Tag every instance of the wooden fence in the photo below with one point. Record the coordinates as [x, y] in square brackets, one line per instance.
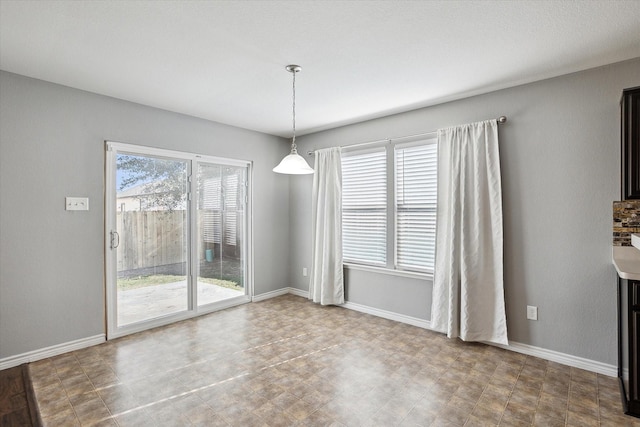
[151, 238]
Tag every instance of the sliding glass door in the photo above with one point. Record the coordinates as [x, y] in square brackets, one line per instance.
[221, 229]
[177, 231]
[152, 228]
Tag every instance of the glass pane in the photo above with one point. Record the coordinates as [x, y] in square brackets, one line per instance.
[221, 230]
[416, 198]
[364, 207]
[151, 203]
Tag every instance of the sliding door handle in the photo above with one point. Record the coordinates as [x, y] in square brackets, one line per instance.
[115, 239]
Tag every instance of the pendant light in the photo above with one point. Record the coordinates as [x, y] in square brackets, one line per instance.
[293, 164]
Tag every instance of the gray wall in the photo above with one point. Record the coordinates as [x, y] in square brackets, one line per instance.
[560, 167]
[52, 146]
[560, 155]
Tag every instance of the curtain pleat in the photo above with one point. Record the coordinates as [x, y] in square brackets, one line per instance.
[326, 284]
[468, 288]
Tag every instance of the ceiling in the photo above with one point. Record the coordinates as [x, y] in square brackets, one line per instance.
[225, 60]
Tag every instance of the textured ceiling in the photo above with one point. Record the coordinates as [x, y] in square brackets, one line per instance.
[224, 60]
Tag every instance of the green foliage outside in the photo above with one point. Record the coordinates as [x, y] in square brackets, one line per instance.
[165, 180]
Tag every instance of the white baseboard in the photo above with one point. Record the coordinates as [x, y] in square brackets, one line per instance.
[299, 292]
[271, 294]
[529, 350]
[563, 358]
[279, 292]
[421, 323]
[54, 350]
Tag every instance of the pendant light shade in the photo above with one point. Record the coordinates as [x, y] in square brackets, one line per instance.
[293, 164]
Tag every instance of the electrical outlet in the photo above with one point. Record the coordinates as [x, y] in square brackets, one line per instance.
[304, 271]
[532, 312]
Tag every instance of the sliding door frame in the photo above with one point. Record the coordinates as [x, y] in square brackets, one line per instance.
[110, 255]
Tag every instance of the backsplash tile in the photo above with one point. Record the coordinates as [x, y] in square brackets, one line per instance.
[626, 220]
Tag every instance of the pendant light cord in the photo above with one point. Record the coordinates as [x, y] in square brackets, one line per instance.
[293, 163]
[294, 148]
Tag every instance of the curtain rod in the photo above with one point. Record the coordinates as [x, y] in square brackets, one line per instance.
[501, 120]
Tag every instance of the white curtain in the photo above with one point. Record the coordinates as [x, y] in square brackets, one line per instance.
[468, 288]
[326, 285]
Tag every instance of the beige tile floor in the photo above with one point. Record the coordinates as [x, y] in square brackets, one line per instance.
[286, 361]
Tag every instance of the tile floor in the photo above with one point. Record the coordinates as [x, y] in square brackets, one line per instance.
[288, 362]
[17, 408]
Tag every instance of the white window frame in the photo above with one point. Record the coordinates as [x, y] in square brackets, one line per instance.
[111, 147]
[419, 143]
[372, 262]
[391, 236]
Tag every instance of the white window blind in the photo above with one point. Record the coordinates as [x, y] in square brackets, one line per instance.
[364, 207]
[231, 205]
[416, 198]
[222, 203]
[210, 204]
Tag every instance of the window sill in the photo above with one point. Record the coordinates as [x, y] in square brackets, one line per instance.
[389, 271]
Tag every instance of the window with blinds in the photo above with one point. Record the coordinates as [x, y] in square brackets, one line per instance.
[415, 205]
[389, 199]
[364, 207]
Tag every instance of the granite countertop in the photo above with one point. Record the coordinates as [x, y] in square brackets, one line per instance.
[626, 259]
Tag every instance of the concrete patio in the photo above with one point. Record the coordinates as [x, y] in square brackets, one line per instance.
[149, 302]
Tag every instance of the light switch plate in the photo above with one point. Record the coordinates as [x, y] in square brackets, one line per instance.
[76, 203]
[532, 312]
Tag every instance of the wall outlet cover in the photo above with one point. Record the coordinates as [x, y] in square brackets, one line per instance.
[76, 203]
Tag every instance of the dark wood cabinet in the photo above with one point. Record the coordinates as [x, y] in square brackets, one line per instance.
[629, 344]
[630, 136]
[629, 290]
